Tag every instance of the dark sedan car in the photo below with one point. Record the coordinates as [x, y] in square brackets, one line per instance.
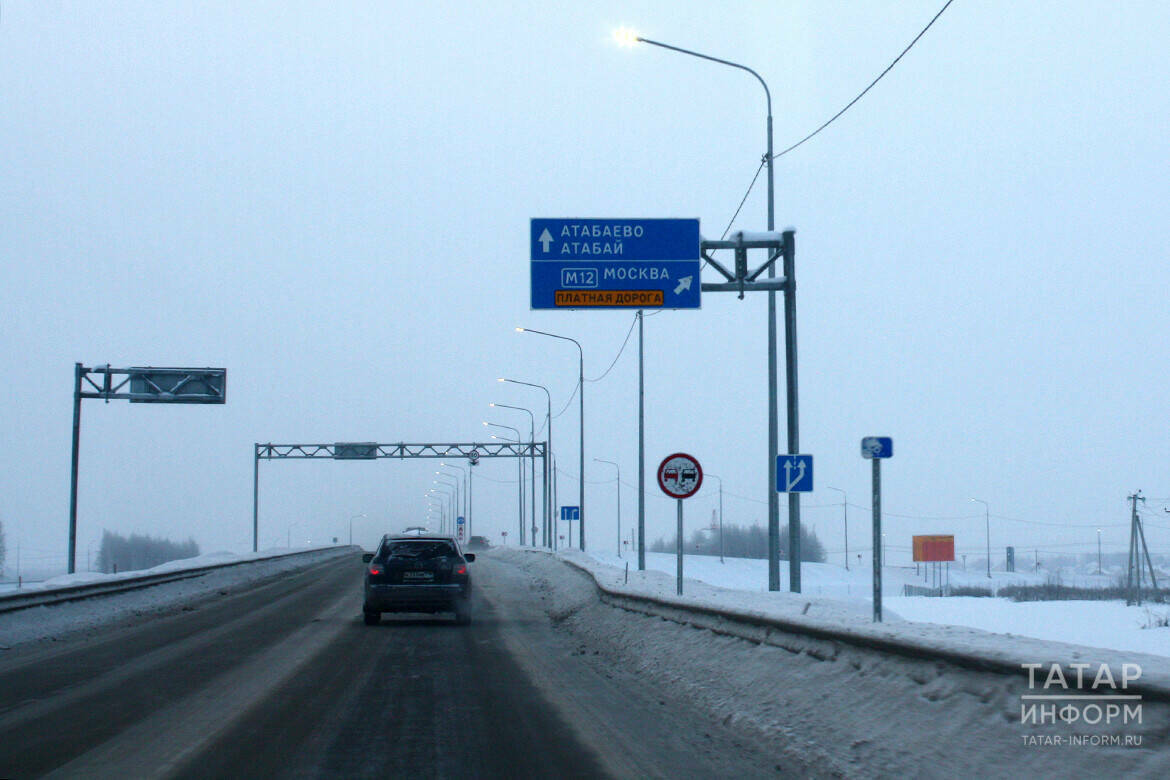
[417, 574]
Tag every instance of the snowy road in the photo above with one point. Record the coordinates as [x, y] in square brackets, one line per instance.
[281, 679]
[285, 680]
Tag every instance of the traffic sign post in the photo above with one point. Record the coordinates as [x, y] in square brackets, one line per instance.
[137, 385]
[877, 449]
[615, 263]
[794, 474]
[569, 514]
[680, 476]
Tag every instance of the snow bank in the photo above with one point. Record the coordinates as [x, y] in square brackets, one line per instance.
[59, 620]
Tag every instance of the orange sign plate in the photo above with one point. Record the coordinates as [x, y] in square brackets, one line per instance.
[639, 299]
[934, 548]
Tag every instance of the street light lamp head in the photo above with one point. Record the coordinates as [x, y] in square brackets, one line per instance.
[624, 36]
[519, 330]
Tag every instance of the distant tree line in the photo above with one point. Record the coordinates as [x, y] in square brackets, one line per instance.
[744, 542]
[119, 553]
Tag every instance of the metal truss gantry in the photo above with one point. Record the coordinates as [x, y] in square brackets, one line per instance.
[473, 452]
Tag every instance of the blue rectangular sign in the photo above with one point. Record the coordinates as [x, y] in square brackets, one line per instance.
[570, 513]
[615, 263]
[877, 447]
[794, 473]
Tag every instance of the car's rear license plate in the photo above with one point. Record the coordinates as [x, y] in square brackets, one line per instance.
[418, 576]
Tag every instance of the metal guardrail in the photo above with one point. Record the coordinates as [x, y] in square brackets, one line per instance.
[10, 602]
[793, 635]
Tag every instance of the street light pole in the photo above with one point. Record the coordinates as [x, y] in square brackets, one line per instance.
[1098, 551]
[455, 483]
[845, 514]
[448, 501]
[549, 531]
[519, 479]
[355, 517]
[531, 460]
[790, 355]
[581, 443]
[709, 474]
[466, 493]
[618, 479]
[987, 521]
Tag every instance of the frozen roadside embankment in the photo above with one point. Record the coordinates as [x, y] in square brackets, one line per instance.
[846, 704]
[232, 571]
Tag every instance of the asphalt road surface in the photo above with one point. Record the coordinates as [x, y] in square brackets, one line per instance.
[284, 680]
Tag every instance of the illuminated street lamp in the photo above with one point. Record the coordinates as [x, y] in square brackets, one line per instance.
[454, 483]
[531, 459]
[519, 473]
[549, 473]
[581, 423]
[466, 490]
[627, 37]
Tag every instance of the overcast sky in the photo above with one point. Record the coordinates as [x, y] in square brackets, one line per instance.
[332, 201]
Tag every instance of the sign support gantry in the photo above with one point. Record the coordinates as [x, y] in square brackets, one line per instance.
[472, 451]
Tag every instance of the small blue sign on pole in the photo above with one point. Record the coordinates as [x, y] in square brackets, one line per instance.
[459, 520]
[570, 513]
[615, 263]
[877, 447]
[794, 473]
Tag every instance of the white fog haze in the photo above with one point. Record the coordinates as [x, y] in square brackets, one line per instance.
[332, 201]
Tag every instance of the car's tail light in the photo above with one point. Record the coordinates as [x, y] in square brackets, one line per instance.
[375, 570]
[461, 568]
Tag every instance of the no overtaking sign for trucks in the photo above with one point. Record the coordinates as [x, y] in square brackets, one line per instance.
[680, 475]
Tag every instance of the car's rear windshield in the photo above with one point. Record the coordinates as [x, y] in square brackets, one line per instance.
[420, 550]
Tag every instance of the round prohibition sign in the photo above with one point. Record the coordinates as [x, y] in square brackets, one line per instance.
[680, 475]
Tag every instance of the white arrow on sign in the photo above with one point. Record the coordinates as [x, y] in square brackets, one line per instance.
[683, 284]
[545, 239]
[788, 467]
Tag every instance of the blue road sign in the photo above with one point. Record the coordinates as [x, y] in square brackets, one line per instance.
[459, 521]
[794, 473]
[877, 447]
[570, 513]
[615, 263]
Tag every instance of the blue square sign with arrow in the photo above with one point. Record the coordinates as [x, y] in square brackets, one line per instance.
[794, 473]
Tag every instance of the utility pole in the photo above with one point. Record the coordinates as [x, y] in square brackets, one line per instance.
[1137, 536]
[1098, 551]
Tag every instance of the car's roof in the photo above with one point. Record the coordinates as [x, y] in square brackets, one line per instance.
[413, 538]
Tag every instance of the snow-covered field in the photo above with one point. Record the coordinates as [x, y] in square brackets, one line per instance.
[1103, 624]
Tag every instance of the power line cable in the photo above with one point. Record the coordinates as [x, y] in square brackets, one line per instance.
[620, 351]
[727, 229]
[871, 84]
[836, 115]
